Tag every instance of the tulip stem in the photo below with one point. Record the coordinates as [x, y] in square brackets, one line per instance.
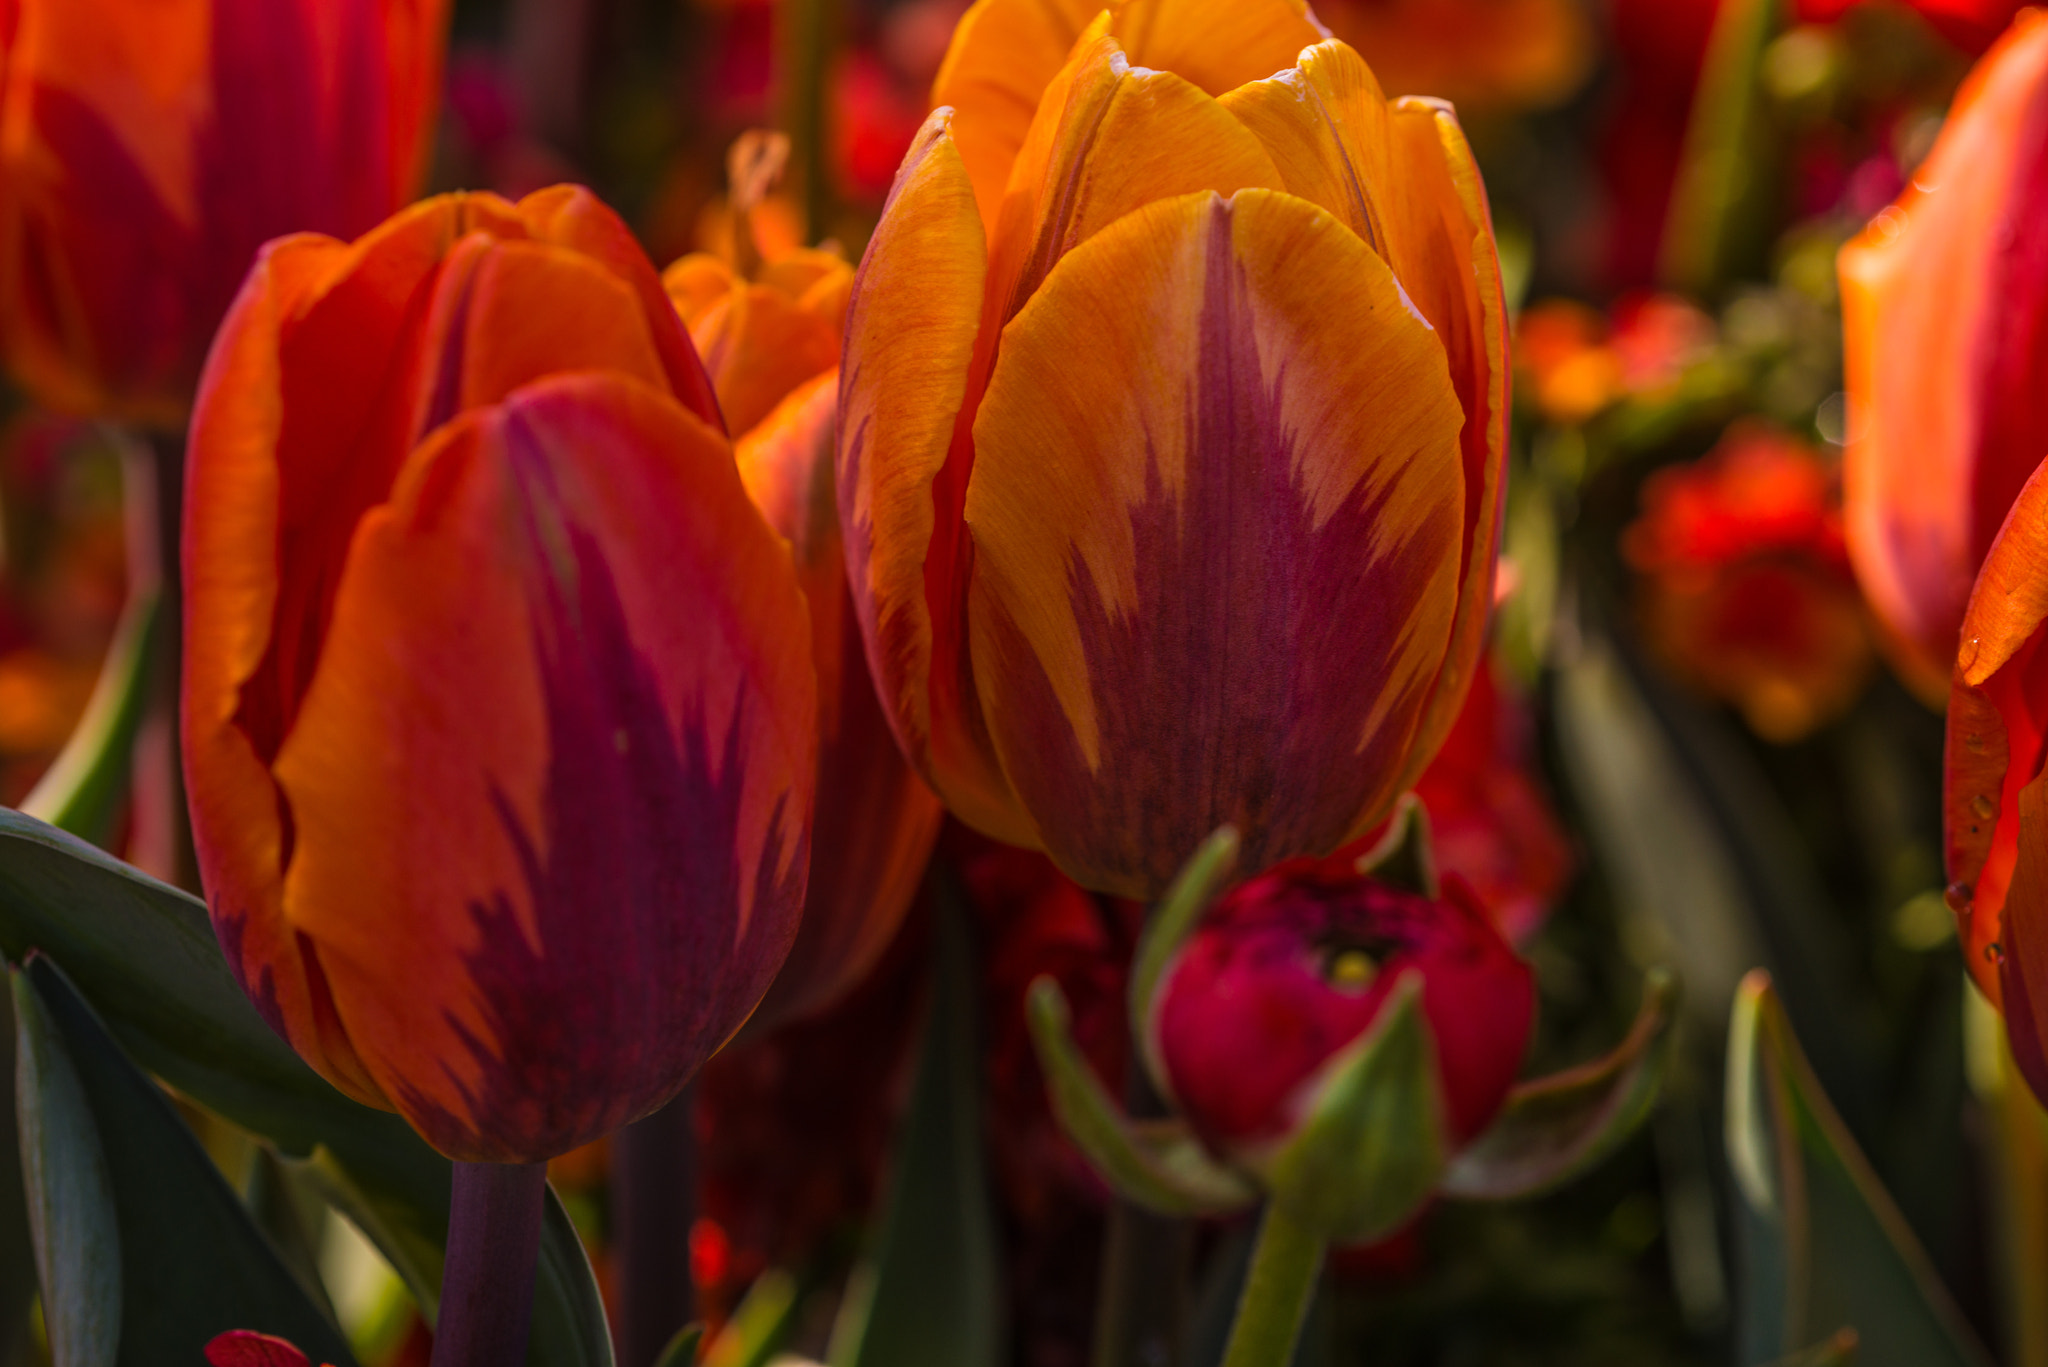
[494, 1221]
[1144, 1265]
[653, 1206]
[1286, 1262]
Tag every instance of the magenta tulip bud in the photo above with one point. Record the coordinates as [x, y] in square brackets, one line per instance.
[1294, 966]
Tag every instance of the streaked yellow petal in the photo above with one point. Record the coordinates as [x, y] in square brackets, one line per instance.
[1216, 510]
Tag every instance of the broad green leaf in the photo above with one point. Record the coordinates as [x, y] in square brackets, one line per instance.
[192, 1263]
[82, 789]
[70, 1194]
[1554, 1128]
[1823, 1246]
[143, 953]
[929, 1296]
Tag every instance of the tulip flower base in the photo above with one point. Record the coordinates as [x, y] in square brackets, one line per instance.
[494, 1222]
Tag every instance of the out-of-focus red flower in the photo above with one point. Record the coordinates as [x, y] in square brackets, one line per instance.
[1658, 46]
[499, 708]
[149, 147]
[1295, 964]
[246, 1348]
[1745, 589]
[1945, 342]
[1491, 823]
[1483, 53]
[877, 114]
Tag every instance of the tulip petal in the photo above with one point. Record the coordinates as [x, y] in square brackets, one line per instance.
[1215, 511]
[636, 709]
[1998, 723]
[1217, 44]
[758, 344]
[910, 333]
[1945, 336]
[2022, 961]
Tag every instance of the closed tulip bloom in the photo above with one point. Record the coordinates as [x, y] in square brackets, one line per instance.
[149, 147]
[771, 346]
[1945, 322]
[1171, 425]
[1295, 965]
[499, 708]
[1995, 807]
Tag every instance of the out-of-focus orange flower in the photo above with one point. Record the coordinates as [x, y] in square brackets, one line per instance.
[1493, 53]
[1945, 322]
[149, 147]
[1172, 423]
[499, 709]
[768, 328]
[1996, 803]
[1576, 360]
[1746, 591]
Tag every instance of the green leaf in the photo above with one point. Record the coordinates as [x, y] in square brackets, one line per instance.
[760, 1324]
[143, 953]
[82, 788]
[70, 1194]
[1371, 1151]
[682, 1349]
[192, 1263]
[1194, 888]
[1715, 219]
[1157, 1164]
[1555, 1128]
[1823, 1246]
[930, 1294]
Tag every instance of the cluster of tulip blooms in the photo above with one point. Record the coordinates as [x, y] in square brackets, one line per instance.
[578, 659]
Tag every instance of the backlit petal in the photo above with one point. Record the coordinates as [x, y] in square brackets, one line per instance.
[568, 698]
[1215, 510]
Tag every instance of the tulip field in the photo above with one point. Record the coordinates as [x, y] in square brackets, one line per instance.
[1024, 683]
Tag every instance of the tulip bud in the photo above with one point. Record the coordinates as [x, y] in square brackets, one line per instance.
[499, 708]
[1171, 427]
[148, 150]
[1945, 336]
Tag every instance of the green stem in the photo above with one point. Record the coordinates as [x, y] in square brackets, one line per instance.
[1285, 1264]
[808, 38]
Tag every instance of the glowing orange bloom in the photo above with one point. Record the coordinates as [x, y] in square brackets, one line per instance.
[1996, 809]
[1172, 420]
[1945, 321]
[1745, 590]
[499, 708]
[769, 334]
[149, 147]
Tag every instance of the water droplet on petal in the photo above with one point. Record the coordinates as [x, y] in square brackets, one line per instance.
[1961, 898]
[1995, 952]
[1983, 807]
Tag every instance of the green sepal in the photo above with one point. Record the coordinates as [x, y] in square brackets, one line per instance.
[1157, 1164]
[1186, 902]
[82, 788]
[1372, 1149]
[1403, 857]
[682, 1349]
[1554, 1128]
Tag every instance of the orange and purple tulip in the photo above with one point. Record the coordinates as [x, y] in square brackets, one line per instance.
[769, 334]
[1171, 427]
[1995, 808]
[499, 713]
[1945, 322]
[1293, 966]
[1745, 591]
[147, 149]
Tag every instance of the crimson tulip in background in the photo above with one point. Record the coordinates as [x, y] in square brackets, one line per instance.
[1171, 427]
[499, 704]
[149, 147]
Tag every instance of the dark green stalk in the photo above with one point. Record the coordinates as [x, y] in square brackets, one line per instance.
[1286, 1262]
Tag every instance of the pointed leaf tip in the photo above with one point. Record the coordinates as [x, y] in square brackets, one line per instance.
[1193, 892]
[1403, 856]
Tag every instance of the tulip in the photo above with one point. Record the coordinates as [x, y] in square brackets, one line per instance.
[1745, 589]
[1945, 322]
[147, 149]
[1171, 426]
[499, 710]
[1294, 966]
[769, 331]
[1996, 827]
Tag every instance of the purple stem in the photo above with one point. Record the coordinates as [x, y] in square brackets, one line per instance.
[653, 1205]
[493, 1248]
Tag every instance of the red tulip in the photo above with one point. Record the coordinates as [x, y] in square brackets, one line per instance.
[499, 706]
[1296, 964]
[1945, 322]
[149, 147]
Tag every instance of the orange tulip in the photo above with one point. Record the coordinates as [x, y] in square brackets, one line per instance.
[769, 334]
[1172, 419]
[499, 704]
[1996, 808]
[1945, 320]
[149, 147]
